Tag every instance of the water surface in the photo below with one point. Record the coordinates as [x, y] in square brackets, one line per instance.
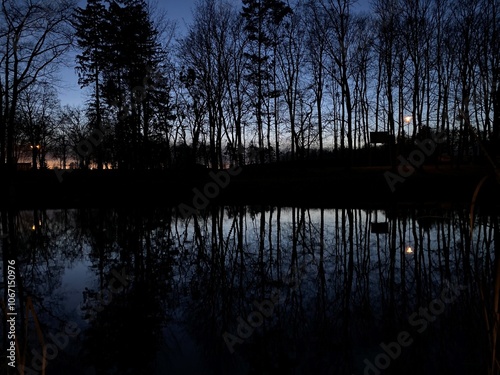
[252, 290]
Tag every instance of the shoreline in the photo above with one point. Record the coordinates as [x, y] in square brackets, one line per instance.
[272, 184]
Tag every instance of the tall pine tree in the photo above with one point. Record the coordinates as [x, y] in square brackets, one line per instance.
[119, 53]
[91, 37]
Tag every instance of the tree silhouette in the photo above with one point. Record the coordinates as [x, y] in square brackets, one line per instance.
[90, 32]
[34, 40]
[261, 18]
[120, 53]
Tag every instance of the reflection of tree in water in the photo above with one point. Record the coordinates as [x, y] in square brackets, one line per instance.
[357, 288]
[38, 240]
[125, 334]
[35, 250]
[124, 337]
[193, 277]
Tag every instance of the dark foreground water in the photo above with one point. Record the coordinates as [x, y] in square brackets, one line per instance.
[249, 290]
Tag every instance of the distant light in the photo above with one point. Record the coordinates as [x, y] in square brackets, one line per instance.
[408, 119]
[409, 250]
[33, 227]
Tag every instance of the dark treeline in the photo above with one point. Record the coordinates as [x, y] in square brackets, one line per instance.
[252, 82]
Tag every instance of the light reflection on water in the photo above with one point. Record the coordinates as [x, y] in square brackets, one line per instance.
[173, 287]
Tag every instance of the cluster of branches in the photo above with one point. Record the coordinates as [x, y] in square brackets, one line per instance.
[35, 36]
[261, 81]
[309, 77]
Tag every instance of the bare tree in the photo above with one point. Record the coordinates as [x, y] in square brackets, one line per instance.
[340, 50]
[38, 114]
[387, 44]
[34, 38]
[316, 47]
[213, 61]
[75, 128]
[291, 57]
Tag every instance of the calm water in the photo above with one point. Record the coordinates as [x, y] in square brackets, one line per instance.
[251, 290]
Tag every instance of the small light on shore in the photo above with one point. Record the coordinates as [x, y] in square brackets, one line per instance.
[33, 227]
[409, 250]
